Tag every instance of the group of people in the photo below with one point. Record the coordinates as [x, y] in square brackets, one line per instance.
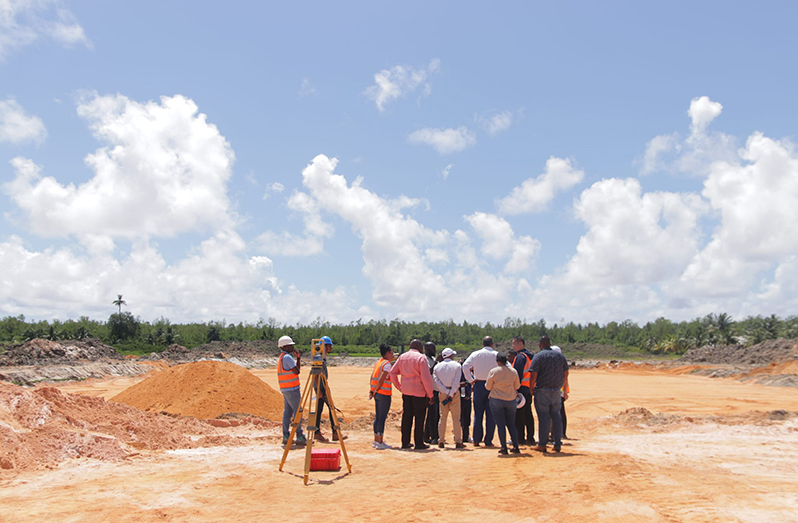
[501, 387]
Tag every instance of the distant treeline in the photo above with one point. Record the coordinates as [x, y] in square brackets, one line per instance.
[660, 336]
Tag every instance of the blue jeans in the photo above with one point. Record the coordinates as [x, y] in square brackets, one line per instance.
[291, 399]
[480, 395]
[504, 414]
[382, 405]
[547, 404]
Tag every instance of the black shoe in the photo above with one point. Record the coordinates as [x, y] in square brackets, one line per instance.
[557, 449]
[441, 446]
[503, 451]
[532, 443]
[489, 445]
[407, 447]
[516, 450]
[423, 446]
[459, 446]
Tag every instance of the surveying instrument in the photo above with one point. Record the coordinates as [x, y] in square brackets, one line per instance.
[317, 382]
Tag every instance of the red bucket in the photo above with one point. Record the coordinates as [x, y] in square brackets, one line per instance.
[325, 459]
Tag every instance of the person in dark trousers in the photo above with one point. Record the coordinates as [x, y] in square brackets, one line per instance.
[416, 388]
[503, 384]
[549, 378]
[476, 368]
[465, 407]
[380, 391]
[565, 393]
[434, 409]
[524, 420]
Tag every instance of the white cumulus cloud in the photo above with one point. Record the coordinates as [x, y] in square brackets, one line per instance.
[445, 141]
[496, 122]
[499, 242]
[702, 111]
[315, 231]
[755, 197]
[534, 194]
[163, 171]
[22, 22]
[16, 126]
[399, 81]
[694, 154]
[414, 269]
[634, 237]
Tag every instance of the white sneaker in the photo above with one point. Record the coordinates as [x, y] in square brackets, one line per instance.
[382, 446]
[374, 444]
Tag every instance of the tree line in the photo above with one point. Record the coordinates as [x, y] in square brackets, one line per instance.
[656, 337]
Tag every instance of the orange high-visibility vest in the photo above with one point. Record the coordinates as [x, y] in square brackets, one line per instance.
[526, 380]
[287, 378]
[385, 389]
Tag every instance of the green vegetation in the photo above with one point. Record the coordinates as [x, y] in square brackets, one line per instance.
[131, 335]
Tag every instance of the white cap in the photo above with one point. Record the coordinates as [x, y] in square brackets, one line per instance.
[448, 353]
[556, 348]
[284, 340]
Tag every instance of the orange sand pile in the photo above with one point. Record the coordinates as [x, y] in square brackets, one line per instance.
[41, 427]
[205, 389]
[786, 367]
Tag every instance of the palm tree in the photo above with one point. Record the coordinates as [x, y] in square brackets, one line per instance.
[725, 324]
[119, 302]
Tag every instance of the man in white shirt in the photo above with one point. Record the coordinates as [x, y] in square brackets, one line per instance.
[476, 369]
[446, 379]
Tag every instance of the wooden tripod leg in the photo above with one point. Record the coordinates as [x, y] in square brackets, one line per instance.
[296, 422]
[337, 426]
[312, 422]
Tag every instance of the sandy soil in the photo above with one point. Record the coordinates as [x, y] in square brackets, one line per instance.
[715, 454]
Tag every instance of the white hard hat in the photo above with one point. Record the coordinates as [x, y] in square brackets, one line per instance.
[284, 340]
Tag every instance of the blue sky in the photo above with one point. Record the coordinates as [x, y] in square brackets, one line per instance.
[415, 160]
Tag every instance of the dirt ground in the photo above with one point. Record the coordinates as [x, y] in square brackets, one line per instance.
[693, 449]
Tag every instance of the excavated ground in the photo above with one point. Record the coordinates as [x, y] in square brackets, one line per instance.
[650, 444]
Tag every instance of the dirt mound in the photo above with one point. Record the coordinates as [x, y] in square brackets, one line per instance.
[220, 349]
[42, 427]
[787, 367]
[643, 416]
[205, 389]
[628, 365]
[778, 351]
[46, 352]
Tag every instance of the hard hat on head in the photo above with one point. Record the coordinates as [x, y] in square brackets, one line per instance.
[327, 340]
[284, 341]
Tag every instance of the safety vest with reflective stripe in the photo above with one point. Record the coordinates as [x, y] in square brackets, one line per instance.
[288, 378]
[385, 389]
[526, 379]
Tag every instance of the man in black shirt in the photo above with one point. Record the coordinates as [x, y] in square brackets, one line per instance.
[549, 376]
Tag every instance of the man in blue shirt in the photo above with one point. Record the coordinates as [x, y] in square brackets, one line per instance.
[549, 376]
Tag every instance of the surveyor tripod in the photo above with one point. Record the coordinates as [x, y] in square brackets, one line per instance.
[316, 385]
